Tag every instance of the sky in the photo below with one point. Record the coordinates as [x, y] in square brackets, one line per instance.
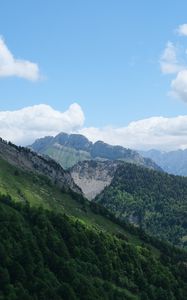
[112, 70]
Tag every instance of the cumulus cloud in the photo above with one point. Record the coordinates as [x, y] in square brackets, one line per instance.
[168, 62]
[10, 66]
[179, 85]
[182, 29]
[25, 125]
[155, 132]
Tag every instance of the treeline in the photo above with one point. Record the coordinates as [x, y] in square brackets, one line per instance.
[47, 255]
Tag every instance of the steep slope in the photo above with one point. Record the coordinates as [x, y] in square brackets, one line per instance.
[173, 162]
[57, 257]
[155, 201]
[28, 160]
[38, 190]
[70, 149]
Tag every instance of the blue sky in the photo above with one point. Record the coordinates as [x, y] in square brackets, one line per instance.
[102, 54]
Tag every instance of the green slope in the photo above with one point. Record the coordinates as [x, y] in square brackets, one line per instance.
[45, 254]
[155, 201]
[66, 156]
[38, 191]
[49, 256]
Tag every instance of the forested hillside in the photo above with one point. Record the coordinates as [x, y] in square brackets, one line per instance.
[155, 201]
[55, 244]
[46, 255]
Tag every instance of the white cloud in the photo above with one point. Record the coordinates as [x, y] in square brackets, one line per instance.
[168, 62]
[155, 132]
[25, 125]
[179, 85]
[182, 29]
[9, 66]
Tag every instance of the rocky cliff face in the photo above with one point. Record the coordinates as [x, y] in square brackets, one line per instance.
[28, 160]
[93, 176]
[70, 149]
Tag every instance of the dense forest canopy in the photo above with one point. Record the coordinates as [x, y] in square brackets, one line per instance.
[155, 201]
[47, 255]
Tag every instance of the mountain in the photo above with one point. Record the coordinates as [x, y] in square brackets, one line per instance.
[173, 162]
[54, 244]
[47, 255]
[70, 149]
[157, 202]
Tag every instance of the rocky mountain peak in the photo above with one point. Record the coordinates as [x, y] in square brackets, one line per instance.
[69, 149]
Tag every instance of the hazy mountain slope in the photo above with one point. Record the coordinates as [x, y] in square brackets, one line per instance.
[153, 200]
[70, 149]
[66, 156]
[173, 162]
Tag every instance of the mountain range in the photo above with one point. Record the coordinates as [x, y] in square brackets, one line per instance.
[70, 149]
[173, 162]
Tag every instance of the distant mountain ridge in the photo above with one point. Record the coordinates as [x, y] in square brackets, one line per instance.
[69, 149]
[173, 162]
